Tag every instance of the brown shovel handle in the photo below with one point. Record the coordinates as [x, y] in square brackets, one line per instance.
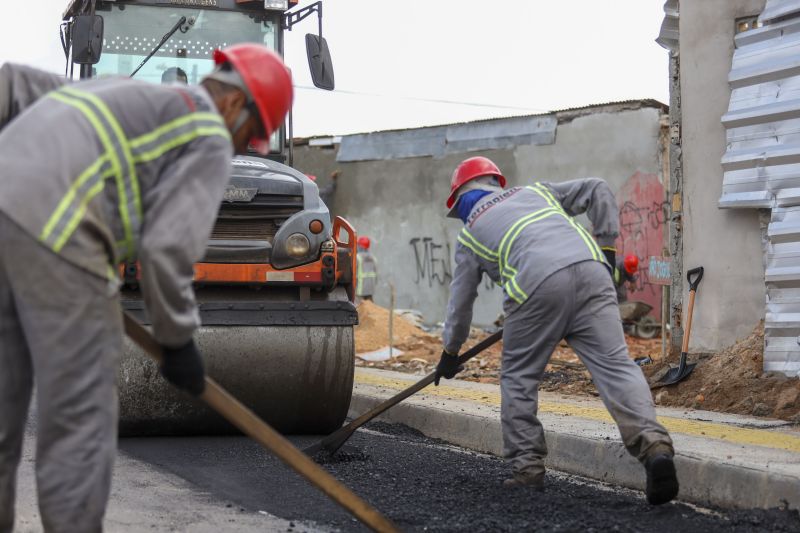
[335, 440]
[697, 274]
[243, 418]
[418, 386]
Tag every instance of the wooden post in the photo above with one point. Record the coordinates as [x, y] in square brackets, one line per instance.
[391, 320]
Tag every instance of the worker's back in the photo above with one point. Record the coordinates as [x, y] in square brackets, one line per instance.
[521, 236]
[85, 164]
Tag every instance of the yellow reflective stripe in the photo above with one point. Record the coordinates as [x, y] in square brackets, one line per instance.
[594, 247]
[504, 240]
[110, 152]
[488, 251]
[78, 215]
[157, 152]
[512, 287]
[516, 229]
[588, 239]
[65, 202]
[126, 149]
[175, 124]
[475, 250]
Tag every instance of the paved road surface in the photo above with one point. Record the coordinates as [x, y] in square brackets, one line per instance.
[423, 485]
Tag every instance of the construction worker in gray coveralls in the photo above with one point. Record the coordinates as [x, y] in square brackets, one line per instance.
[367, 270]
[557, 285]
[96, 173]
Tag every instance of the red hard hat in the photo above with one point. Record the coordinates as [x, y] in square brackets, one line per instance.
[363, 242]
[631, 263]
[468, 170]
[267, 79]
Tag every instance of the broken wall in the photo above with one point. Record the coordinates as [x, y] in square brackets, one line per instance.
[399, 201]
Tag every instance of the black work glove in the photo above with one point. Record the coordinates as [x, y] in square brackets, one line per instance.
[611, 257]
[448, 367]
[183, 367]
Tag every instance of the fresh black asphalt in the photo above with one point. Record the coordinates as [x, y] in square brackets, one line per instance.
[425, 485]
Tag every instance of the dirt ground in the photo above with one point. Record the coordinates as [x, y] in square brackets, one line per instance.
[733, 381]
[729, 381]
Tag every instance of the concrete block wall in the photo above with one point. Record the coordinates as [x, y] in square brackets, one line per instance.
[399, 203]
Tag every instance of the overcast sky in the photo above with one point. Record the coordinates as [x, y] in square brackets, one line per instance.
[408, 63]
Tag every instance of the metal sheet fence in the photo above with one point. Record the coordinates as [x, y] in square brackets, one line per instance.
[761, 165]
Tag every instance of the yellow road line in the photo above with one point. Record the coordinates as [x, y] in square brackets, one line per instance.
[712, 430]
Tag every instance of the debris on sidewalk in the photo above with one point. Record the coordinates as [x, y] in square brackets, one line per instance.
[732, 381]
[372, 331]
[417, 352]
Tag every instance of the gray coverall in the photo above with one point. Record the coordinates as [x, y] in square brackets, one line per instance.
[367, 268]
[20, 86]
[94, 173]
[557, 286]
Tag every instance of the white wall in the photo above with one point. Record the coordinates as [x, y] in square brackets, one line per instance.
[727, 243]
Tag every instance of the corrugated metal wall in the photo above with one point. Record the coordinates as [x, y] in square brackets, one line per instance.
[668, 36]
[762, 164]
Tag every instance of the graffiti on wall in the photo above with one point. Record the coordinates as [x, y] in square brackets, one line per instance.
[643, 215]
[432, 261]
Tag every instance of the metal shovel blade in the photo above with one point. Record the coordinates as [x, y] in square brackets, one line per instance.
[678, 374]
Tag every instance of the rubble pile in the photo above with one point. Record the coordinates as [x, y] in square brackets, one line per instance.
[730, 381]
[421, 351]
[372, 331]
[733, 381]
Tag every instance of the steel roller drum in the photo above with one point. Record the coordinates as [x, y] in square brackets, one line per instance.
[298, 379]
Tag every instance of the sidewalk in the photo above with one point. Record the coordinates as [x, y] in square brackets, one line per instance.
[725, 460]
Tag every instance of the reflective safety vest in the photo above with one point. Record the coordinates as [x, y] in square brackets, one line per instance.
[522, 235]
[85, 163]
[367, 276]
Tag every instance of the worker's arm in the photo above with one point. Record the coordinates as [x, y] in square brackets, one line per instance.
[463, 291]
[179, 212]
[594, 197]
[21, 86]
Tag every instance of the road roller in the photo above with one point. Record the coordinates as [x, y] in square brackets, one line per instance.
[275, 289]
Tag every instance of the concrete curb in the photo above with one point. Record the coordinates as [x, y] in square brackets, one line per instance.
[703, 480]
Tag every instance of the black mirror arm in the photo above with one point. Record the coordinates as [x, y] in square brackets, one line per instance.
[293, 17]
[319, 20]
[163, 40]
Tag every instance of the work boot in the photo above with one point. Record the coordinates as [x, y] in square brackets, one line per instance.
[662, 482]
[526, 478]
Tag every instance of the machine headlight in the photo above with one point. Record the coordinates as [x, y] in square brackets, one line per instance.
[297, 245]
[283, 5]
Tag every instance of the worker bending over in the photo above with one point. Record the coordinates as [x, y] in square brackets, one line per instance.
[557, 285]
[367, 267]
[96, 173]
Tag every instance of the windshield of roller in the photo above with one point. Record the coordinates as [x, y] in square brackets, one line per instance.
[132, 32]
